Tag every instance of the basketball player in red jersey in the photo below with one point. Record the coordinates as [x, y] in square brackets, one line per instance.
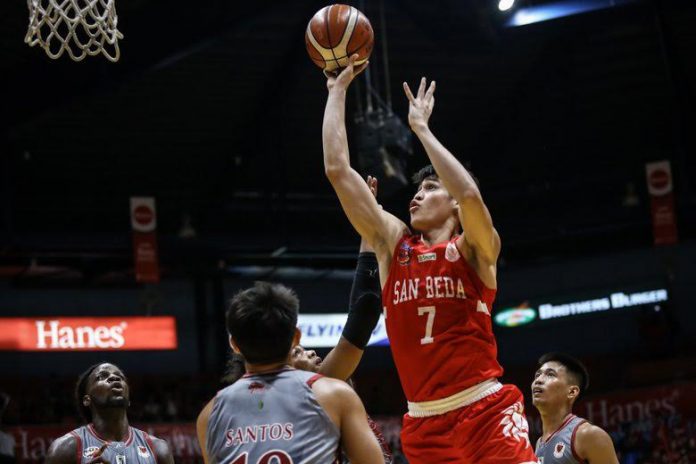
[438, 286]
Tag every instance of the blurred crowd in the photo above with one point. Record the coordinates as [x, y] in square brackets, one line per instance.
[665, 439]
[661, 440]
[153, 399]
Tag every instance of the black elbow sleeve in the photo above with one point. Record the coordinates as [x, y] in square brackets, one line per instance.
[365, 302]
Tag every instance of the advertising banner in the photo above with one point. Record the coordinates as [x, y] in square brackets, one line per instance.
[660, 187]
[144, 225]
[324, 330]
[88, 333]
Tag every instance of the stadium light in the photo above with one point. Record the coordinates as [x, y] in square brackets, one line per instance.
[505, 5]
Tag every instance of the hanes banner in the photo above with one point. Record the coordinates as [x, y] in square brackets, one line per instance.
[88, 333]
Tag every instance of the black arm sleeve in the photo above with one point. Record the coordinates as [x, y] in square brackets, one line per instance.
[365, 301]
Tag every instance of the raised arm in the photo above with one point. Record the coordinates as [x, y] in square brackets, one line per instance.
[475, 219]
[379, 228]
[364, 309]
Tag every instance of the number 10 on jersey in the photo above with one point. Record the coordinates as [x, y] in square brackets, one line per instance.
[271, 457]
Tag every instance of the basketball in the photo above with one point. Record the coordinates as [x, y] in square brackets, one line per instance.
[335, 33]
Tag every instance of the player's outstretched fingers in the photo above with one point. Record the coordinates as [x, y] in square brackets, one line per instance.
[98, 458]
[431, 91]
[407, 91]
[421, 88]
[360, 68]
[373, 186]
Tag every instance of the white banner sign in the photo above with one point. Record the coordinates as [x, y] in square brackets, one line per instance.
[324, 330]
[616, 300]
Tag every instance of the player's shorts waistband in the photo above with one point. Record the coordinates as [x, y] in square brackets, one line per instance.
[456, 401]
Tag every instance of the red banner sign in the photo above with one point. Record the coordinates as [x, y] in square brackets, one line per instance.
[659, 177]
[610, 410]
[144, 225]
[88, 333]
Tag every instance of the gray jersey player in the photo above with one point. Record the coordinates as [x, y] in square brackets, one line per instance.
[566, 438]
[276, 414]
[103, 396]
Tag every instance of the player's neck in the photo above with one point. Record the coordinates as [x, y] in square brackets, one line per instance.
[264, 368]
[552, 420]
[438, 235]
[111, 424]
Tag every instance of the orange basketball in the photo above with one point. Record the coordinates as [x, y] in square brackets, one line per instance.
[335, 33]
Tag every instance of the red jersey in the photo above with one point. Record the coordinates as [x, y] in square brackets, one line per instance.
[438, 318]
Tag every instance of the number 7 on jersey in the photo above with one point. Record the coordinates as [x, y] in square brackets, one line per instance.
[430, 311]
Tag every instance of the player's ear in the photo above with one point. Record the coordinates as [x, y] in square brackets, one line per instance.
[86, 400]
[233, 345]
[573, 392]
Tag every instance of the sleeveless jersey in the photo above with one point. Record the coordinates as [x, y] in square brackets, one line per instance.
[559, 448]
[137, 448]
[438, 318]
[271, 418]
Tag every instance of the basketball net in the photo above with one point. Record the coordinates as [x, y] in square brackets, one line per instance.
[80, 27]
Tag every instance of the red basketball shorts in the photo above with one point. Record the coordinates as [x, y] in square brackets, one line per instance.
[492, 430]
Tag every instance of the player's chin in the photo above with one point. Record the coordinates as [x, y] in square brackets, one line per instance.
[417, 223]
[119, 401]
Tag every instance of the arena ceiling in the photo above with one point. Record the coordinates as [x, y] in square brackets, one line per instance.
[215, 109]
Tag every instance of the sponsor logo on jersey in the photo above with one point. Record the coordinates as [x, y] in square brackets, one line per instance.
[558, 450]
[427, 257]
[120, 459]
[89, 452]
[256, 387]
[143, 452]
[405, 252]
[451, 252]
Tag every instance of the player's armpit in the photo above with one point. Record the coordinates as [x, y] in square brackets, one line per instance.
[594, 445]
[63, 450]
[202, 429]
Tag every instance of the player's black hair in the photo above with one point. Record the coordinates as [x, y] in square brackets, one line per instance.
[262, 321]
[428, 172]
[81, 390]
[577, 372]
[234, 369]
